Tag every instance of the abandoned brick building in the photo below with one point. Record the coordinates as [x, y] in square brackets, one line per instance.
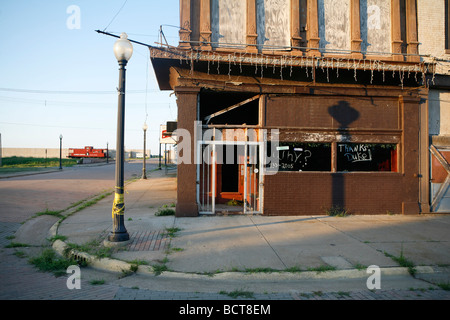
[335, 91]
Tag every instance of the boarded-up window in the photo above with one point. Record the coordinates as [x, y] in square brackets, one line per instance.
[375, 26]
[334, 24]
[273, 24]
[228, 23]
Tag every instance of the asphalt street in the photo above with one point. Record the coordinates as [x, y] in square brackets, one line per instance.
[22, 197]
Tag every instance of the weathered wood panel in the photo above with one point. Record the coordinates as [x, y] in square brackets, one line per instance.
[273, 24]
[334, 24]
[375, 26]
[228, 23]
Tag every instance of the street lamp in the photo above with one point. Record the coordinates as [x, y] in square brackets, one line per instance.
[123, 50]
[144, 127]
[60, 151]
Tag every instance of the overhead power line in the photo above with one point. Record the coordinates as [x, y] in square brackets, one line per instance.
[70, 92]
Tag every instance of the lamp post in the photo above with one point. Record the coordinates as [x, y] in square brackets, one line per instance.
[123, 50]
[60, 151]
[144, 127]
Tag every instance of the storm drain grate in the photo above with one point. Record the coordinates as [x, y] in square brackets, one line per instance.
[149, 240]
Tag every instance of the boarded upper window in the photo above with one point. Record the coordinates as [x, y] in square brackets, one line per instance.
[334, 24]
[228, 23]
[375, 26]
[273, 24]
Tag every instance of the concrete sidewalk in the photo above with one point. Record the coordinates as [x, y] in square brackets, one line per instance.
[258, 252]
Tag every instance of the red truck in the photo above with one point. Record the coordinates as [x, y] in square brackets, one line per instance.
[87, 152]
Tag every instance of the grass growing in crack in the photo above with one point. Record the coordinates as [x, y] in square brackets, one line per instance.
[56, 213]
[260, 270]
[17, 245]
[57, 237]
[138, 262]
[343, 294]
[337, 211]
[159, 268]
[171, 249]
[444, 286]
[403, 262]
[93, 248]
[20, 254]
[89, 203]
[238, 293]
[171, 232]
[359, 266]
[97, 282]
[165, 212]
[50, 261]
[294, 269]
[323, 268]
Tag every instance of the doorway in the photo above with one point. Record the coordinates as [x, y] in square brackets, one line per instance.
[228, 177]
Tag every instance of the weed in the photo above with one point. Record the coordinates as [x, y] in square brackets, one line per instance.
[323, 268]
[238, 293]
[171, 231]
[444, 286]
[20, 254]
[234, 203]
[343, 294]
[403, 262]
[294, 269]
[159, 268]
[260, 270]
[92, 248]
[138, 262]
[134, 267]
[359, 266]
[16, 245]
[49, 261]
[93, 201]
[126, 273]
[97, 282]
[165, 212]
[57, 237]
[337, 211]
[56, 213]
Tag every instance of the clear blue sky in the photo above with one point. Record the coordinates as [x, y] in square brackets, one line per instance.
[58, 79]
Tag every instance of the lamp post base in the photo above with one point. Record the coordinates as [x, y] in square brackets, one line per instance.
[118, 236]
[119, 233]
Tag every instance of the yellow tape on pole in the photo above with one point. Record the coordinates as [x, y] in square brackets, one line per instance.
[118, 205]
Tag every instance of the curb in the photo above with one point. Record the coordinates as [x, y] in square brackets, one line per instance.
[114, 265]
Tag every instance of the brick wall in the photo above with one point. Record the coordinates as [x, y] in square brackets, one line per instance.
[305, 193]
[373, 120]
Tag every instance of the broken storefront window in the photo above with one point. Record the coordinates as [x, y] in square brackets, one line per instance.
[366, 157]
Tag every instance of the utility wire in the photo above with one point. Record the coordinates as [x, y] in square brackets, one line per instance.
[69, 92]
[116, 15]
